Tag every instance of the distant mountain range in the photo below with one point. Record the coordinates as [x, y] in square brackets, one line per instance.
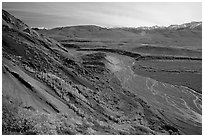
[186, 35]
[191, 25]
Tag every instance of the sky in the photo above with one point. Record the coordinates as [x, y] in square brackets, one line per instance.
[110, 14]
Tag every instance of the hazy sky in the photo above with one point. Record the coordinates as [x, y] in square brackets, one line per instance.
[136, 14]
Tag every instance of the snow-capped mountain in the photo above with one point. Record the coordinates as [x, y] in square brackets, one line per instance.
[191, 25]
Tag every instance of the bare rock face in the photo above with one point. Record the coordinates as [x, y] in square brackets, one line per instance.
[48, 88]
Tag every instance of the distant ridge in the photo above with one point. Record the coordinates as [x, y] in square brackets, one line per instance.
[191, 25]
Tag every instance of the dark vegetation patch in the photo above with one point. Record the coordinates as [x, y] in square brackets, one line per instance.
[156, 50]
[75, 40]
[122, 52]
[95, 56]
[93, 63]
[69, 45]
[141, 57]
[167, 58]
